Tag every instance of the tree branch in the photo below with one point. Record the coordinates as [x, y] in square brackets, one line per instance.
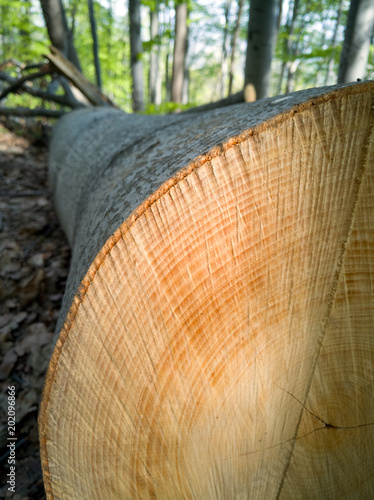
[18, 83]
[49, 113]
[66, 100]
[227, 101]
[67, 69]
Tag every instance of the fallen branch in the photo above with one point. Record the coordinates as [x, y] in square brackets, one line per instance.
[246, 95]
[18, 83]
[67, 69]
[21, 111]
[57, 64]
[63, 100]
[10, 63]
[227, 101]
[12, 194]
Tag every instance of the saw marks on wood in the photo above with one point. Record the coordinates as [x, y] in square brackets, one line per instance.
[338, 427]
[224, 347]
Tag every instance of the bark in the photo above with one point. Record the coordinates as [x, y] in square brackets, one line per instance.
[358, 33]
[58, 31]
[218, 302]
[154, 63]
[234, 41]
[180, 52]
[262, 33]
[186, 86]
[95, 43]
[136, 56]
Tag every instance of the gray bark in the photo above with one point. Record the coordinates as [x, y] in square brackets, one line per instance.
[186, 86]
[104, 163]
[180, 52]
[58, 31]
[136, 52]
[356, 44]
[262, 33]
[95, 43]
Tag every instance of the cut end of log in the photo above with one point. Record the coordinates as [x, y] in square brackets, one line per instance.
[249, 93]
[220, 344]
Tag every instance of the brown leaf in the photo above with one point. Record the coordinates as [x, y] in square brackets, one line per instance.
[31, 287]
[8, 363]
[36, 260]
[14, 321]
[26, 403]
[5, 319]
[37, 337]
[39, 360]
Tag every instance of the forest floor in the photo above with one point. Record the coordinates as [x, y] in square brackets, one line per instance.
[34, 261]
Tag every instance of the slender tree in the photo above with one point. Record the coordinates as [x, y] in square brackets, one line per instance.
[234, 41]
[289, 48]
[356, 44]
[166, 34]
[180, 51]
[154, 60]
[262, 33]
[330, 65]
[95, 43]
[58, 31]
[225, 53]
[292, 49]
[136, 53]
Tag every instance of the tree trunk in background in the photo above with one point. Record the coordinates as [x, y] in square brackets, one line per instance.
[154, 63]
[136, 52]
[224, 54]
[262, 33]
[95, 43]
[330, 64]
[58, 31]
[289, 66]
[234, 41]
[292, 65]
[280, 12]
[186, 86]
[358, 33]
[216, 335]
[180, 52]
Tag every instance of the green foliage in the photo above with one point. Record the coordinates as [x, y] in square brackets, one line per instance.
[148, 45]
[166, 107]
[114, 49]
[310, 45]
[306, 47]
[23, 36]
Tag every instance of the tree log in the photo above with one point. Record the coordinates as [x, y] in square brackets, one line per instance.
[216, 335]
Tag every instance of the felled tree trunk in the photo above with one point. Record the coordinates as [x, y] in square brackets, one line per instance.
[216, 335]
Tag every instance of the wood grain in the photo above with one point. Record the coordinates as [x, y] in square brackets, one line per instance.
[220, 344]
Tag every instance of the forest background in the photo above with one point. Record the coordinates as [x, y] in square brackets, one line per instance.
[130, 49]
